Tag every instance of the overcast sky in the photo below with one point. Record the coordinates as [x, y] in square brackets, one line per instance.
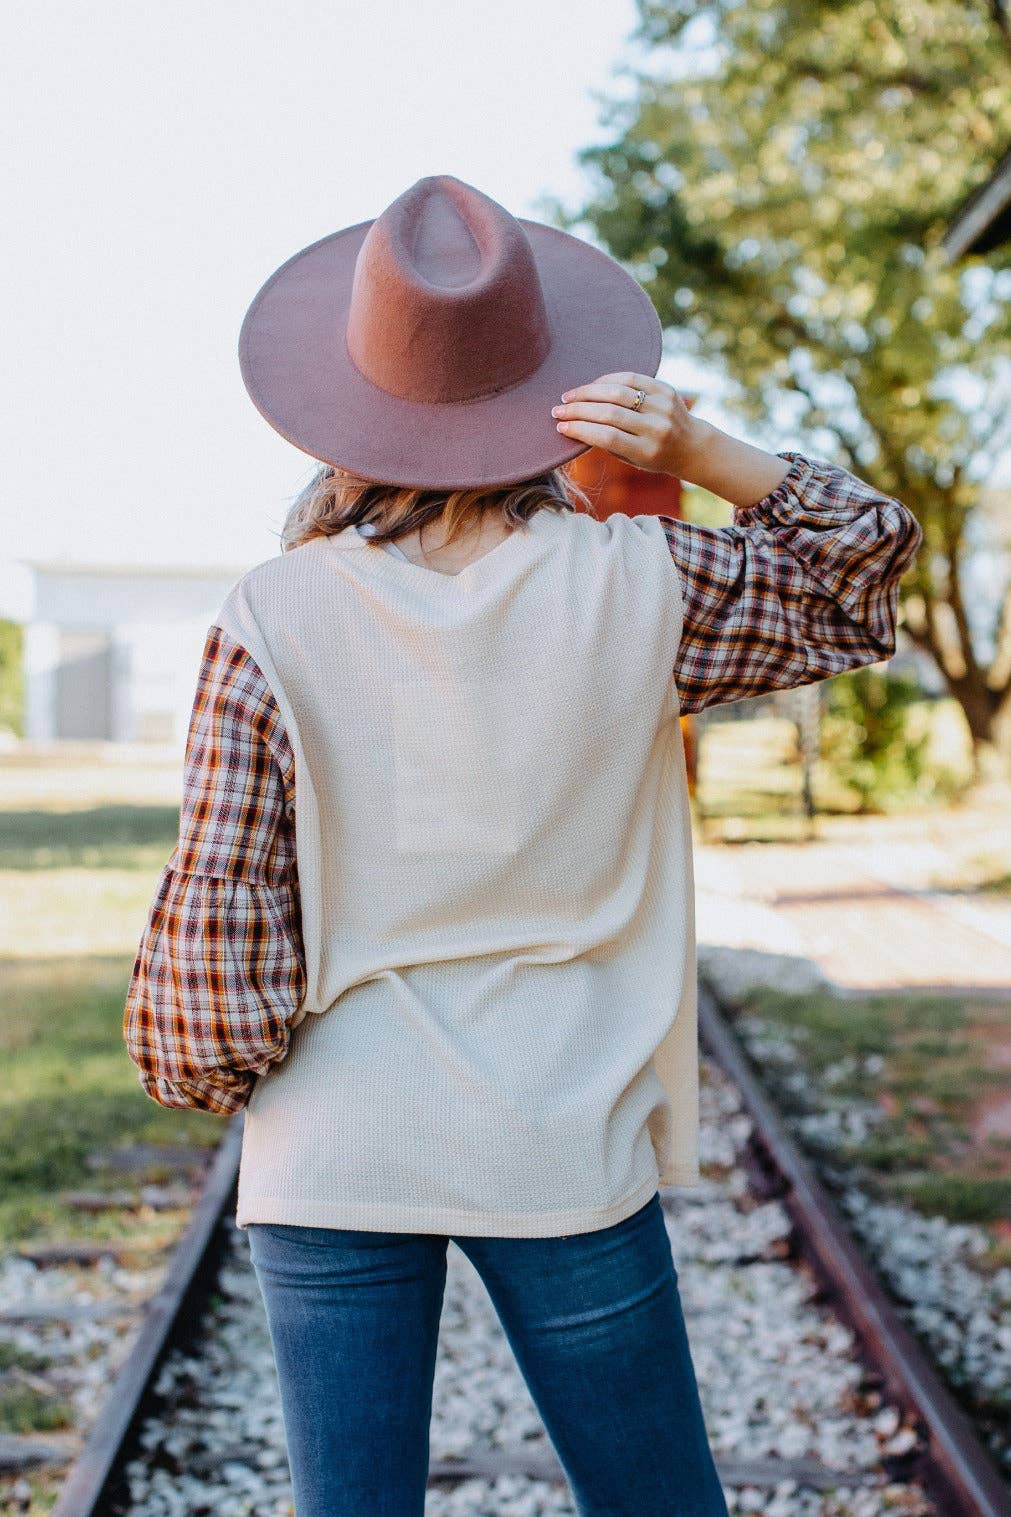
[161, 161]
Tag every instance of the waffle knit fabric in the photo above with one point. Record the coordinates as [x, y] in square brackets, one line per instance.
[498, 1032]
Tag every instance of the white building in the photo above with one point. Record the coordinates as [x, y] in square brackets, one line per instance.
[112, 651]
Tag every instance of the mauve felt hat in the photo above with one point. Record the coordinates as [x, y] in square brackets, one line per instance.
[427, 346]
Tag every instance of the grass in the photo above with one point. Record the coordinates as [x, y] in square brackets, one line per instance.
[24, 1410]
[751, 778]
[960, 1198]
[70, 1087]
[75, 886]
[911, 1056]
[880, 1091]
[98, 837]
[22, 1358]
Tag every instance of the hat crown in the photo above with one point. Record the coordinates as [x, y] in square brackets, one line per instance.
[446, 300]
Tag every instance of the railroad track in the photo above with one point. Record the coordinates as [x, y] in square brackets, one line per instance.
[937, 1454]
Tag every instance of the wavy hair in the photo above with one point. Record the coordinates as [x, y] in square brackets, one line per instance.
[336, 498]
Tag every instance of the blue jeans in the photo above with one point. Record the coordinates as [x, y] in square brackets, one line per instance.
[595, 1324]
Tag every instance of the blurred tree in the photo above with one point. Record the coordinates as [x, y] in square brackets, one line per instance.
[12, 699]
[780, 182]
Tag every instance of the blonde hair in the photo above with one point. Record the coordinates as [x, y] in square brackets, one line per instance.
[335, 498]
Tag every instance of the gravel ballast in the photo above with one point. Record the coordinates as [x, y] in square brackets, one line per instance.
[779, 1375]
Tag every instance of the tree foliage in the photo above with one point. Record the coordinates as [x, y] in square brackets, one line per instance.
[780, 181]
[12, 695]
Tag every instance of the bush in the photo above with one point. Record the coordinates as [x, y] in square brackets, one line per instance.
[875, 737]
[12, 694]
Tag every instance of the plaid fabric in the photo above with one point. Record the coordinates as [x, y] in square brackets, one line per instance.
[219, 974]
[803, 585]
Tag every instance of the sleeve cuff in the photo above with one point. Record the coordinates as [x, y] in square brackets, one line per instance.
[198, 1094]
[809, 482]
[784, 492]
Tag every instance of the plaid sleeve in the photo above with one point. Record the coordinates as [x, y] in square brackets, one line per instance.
[219, 974]
[803, 585]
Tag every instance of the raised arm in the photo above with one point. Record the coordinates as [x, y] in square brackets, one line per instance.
[804, 584]
[219, 975]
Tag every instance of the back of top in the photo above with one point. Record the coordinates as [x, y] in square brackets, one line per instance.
[494, 856]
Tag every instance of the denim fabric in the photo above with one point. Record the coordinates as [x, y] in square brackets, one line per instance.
[594, 1321]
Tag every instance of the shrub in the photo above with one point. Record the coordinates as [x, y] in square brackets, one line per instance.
[875, 737]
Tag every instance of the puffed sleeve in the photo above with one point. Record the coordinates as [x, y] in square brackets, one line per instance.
[219, 976]
[803, 585]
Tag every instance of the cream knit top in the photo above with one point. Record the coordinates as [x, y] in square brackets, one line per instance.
[480, 1015]
[498, 1034]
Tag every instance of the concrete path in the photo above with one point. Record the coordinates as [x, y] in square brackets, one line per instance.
[873, 903]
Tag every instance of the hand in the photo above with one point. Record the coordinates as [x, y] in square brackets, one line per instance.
[661, 436]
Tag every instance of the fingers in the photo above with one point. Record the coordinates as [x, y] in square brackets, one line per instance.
[617, 388]
[621, 416]
[602, 414]
[598, 436]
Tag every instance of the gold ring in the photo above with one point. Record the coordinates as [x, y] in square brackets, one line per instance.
[640, 397]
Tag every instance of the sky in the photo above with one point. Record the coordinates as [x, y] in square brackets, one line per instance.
[163, 160]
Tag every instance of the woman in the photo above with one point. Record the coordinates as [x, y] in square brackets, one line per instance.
[430, 918]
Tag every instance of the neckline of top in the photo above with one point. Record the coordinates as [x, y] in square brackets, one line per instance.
[520, 540]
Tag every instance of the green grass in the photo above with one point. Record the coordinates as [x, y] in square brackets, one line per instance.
[960, 1198]
[69, 1088]
[100, 837]
[909, 1053]
[11, 1355]
[73, 891]
[23, 1410]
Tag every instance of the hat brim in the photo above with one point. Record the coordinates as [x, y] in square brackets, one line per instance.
[301, 378]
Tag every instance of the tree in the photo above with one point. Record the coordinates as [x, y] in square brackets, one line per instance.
[781, 190]
[12, 696]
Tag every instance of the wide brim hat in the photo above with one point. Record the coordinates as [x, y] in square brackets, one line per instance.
[427, 346]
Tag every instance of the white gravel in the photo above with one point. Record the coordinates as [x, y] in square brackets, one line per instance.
[929, 1263]
[959, 1311]
[777, 1373]
[82, 1354]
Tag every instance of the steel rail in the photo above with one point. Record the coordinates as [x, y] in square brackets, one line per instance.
[169, 1315]
[959, 1473]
